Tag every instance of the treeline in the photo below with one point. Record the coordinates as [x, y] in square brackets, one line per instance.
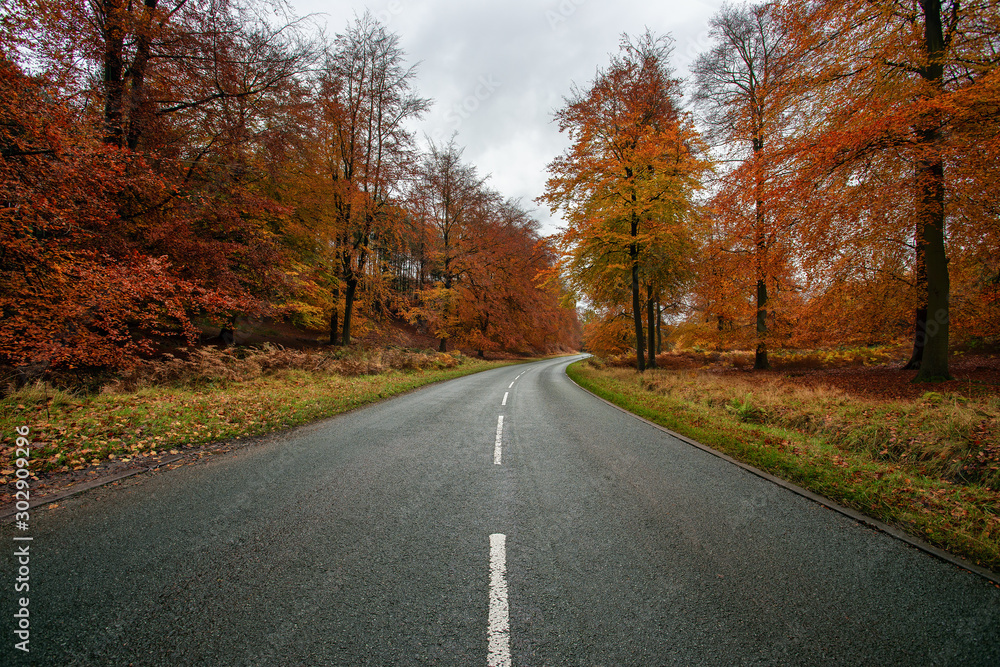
[833, 182]
[172, 164]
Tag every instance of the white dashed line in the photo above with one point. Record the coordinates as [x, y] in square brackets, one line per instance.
[512, 383]
[498, 632]
[504, 402]
[496, 446]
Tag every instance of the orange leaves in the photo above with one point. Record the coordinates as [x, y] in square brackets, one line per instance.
[859, 135]
[492, 279]
[626, 186]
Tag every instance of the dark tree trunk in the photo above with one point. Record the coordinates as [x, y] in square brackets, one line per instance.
[920, 317]
[640, 345]
[934, 357]
[760, 361]
[931, 216]
[227, 334]
[443, 345]
[633, 254]
[114, 70]
[659, 327]
[760, 357]
[352, 274]
[137, 75]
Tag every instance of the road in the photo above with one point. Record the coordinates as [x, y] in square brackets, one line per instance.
[392, 536]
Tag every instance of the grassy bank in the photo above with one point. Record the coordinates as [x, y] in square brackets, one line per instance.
[930, 466]
[207, 397]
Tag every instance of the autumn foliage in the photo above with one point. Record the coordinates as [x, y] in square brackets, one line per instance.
[626, 187]
[852, 195]
[168, 167]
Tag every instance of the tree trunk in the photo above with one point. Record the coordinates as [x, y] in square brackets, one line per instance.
[443, 345]
[760, 361]
[640, 361]
[137, 74]
[352, 274]
[760, 357]
[931, 217]
[934, 361]
[114, 70]
[650, 326]
[227, 334]
[659, 327]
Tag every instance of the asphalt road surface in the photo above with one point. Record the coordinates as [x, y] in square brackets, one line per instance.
[408, 532]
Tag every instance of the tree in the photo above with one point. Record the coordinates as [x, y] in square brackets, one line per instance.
[450, 199]
[632, 165]
[739, 84]
[372, 97]
[76, 290]
[906, 86]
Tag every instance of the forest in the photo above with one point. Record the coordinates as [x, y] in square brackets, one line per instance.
[829, 181]
[170, 167]
[825, 177]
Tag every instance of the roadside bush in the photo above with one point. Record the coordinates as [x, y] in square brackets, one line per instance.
[211, 366]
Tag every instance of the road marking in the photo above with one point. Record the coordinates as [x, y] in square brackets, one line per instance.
[496, 446]
[499, 628]
[505, 398]
[512, 383]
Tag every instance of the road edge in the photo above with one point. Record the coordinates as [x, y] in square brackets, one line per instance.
[852, 514]
[9, 510]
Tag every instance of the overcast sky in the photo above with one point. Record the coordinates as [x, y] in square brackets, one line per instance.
[498, 70]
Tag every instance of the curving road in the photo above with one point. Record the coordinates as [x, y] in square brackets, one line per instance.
[391, 536]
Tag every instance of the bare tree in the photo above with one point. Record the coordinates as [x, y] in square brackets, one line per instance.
[449, 196]
[366, 80]
[738, 86]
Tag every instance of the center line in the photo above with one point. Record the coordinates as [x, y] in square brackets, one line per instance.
[512, 383]
[505, 398]
[499, 628]
[496, 447]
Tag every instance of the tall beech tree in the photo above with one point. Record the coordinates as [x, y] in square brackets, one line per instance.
[913, 82]
[451, 200]
[632, 164]
[365, 79]
[741, 84]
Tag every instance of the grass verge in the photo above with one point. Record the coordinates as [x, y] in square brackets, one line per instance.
[72, 432]
[929, 467]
